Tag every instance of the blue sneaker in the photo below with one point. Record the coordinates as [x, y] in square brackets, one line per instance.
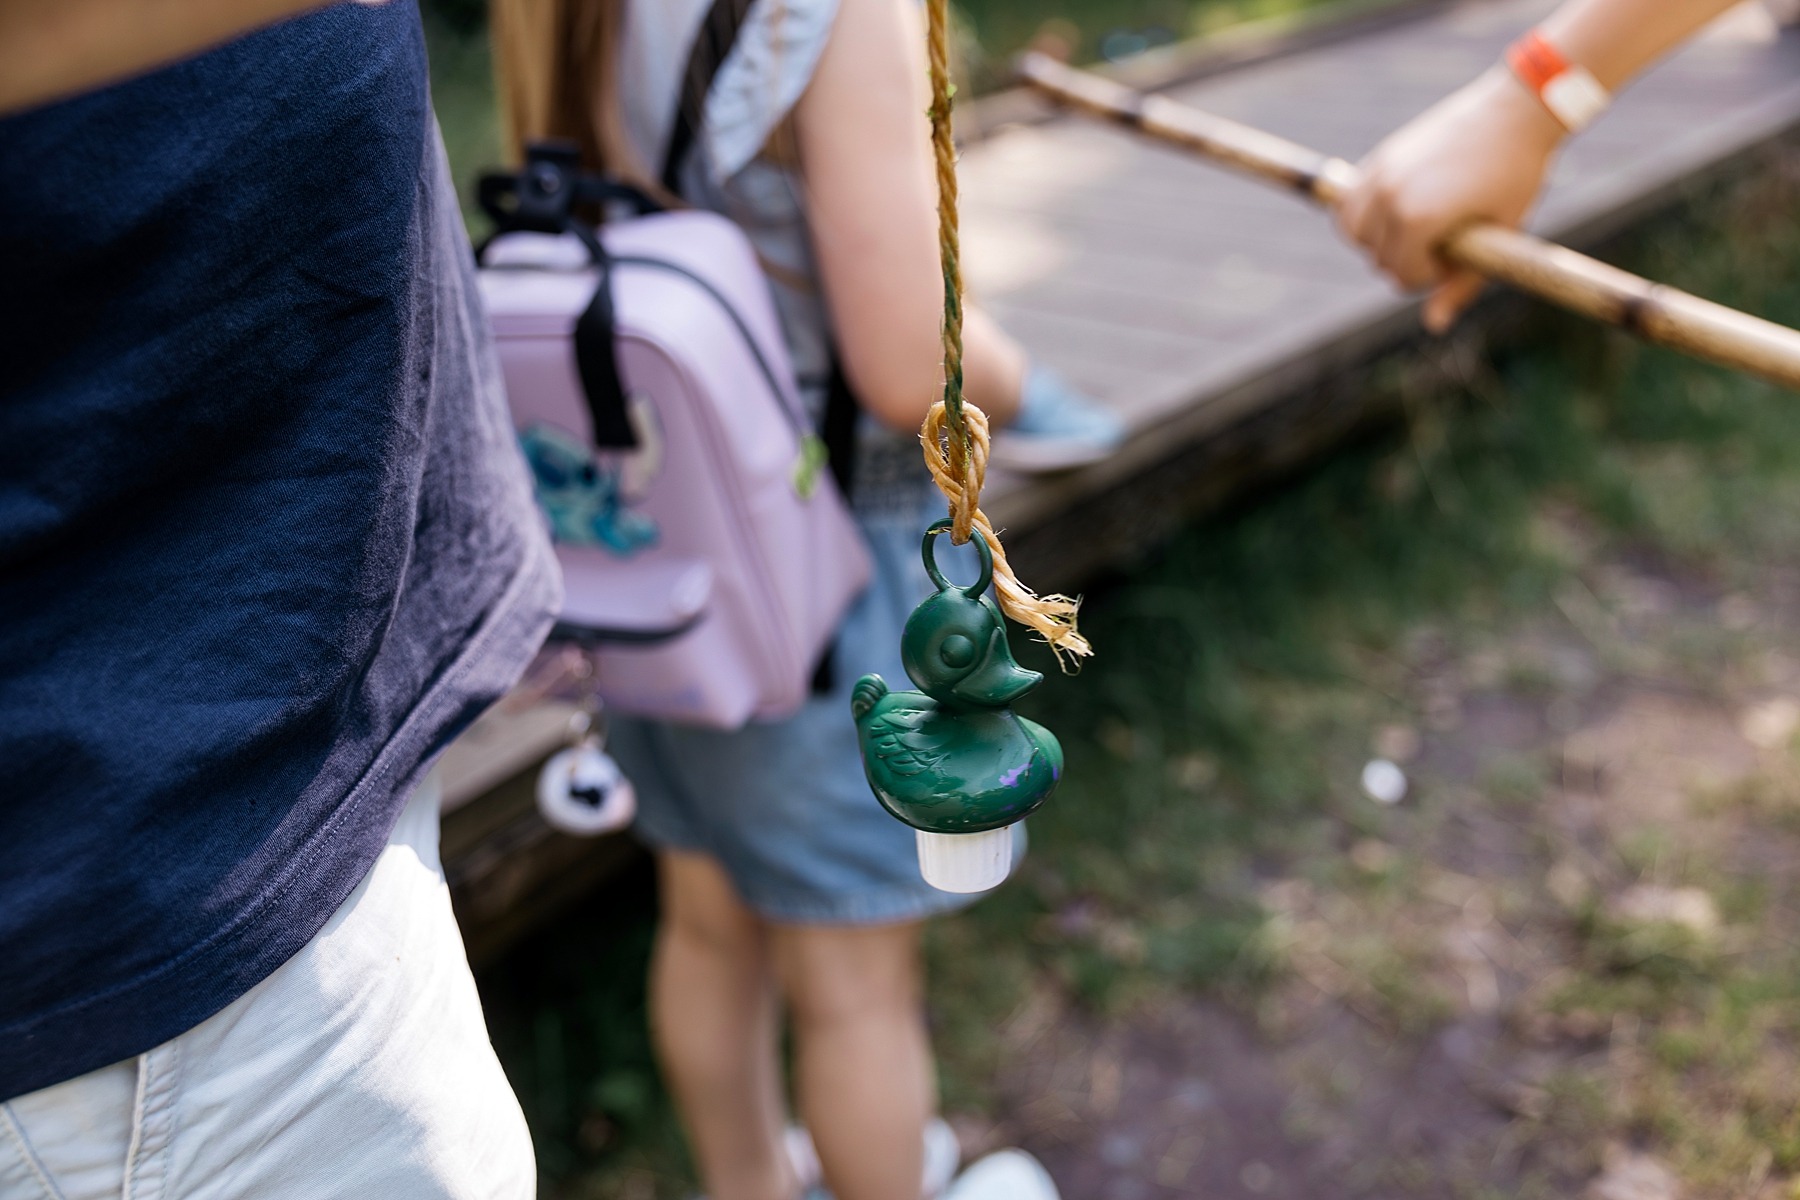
[1058, 428]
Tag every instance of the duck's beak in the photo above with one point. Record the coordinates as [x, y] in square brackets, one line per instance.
[998, 680]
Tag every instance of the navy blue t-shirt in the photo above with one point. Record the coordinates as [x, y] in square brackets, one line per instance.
[265, 543]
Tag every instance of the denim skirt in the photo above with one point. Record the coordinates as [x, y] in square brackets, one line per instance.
[783, 806]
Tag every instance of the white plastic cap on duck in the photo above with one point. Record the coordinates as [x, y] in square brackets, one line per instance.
[966, 862]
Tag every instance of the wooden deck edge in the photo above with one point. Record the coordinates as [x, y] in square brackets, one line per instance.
[1199, 58]
[1266, 425]
[502, 744]
[1289, 417]
[508, 871]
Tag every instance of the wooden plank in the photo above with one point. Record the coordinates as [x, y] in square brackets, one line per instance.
[1226, 307]
[1100, 336]
[1276, 245]
[1575, 282]
[1585, 200]
[508, 870]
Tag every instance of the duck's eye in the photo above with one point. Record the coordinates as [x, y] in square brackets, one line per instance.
[957, 651]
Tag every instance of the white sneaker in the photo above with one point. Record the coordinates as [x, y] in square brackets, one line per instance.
[802, 1156]
[1004, 1175]
[942, 1156]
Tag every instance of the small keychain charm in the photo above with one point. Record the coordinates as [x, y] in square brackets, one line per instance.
[581, 790]
[952, 759]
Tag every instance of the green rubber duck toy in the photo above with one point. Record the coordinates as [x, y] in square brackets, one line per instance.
[953, 758]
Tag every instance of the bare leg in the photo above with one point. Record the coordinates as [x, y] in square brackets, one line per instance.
[716, 1024]
[862, 1060]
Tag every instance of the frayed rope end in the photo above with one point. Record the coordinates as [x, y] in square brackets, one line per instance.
[1052, 618]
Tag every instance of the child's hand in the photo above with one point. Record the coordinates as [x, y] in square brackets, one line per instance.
[1480, 154]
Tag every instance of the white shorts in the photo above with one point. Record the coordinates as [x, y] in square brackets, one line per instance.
[360, 1068]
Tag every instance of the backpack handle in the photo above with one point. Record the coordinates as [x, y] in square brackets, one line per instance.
[541, 198]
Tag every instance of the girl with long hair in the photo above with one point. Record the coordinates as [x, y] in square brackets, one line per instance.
[784, 886]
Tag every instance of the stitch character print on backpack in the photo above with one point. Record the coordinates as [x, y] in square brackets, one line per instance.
[588, 496]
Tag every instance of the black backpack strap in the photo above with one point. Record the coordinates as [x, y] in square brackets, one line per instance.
[542, 198]
[718, 33]
[597, 362]
[837, 429]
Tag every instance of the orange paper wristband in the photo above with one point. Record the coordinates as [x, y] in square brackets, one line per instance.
[1571, 93]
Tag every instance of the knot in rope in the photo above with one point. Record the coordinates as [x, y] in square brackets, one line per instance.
[1052, 617]
[958, 467]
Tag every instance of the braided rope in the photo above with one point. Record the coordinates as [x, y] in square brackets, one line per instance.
[943, 149]
[955, 435]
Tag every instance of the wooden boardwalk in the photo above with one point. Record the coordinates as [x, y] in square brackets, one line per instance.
[1188, 298]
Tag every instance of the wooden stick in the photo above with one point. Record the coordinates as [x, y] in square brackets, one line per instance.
[1576, 282]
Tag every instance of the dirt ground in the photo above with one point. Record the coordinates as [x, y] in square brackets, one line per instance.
[1564, 964]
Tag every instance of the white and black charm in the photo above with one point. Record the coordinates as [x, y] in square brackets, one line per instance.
[581, 791]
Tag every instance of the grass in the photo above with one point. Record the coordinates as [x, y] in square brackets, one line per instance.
[1270, 643]
[462, 92]
[992, 32]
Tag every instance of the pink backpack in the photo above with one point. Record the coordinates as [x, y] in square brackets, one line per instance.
[708, 557]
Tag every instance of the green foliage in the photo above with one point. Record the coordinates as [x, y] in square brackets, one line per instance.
[460, 16]
[991, 32]
[462, 93]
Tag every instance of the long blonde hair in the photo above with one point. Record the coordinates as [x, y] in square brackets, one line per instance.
[555, 69]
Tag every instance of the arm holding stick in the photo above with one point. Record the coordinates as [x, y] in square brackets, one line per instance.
[1482, 153]
[1581, 284]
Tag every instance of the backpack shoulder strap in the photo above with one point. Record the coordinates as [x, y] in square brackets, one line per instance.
[718, 33]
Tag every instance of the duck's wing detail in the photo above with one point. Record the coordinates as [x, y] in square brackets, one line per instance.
[900, 737]
[865, 694]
